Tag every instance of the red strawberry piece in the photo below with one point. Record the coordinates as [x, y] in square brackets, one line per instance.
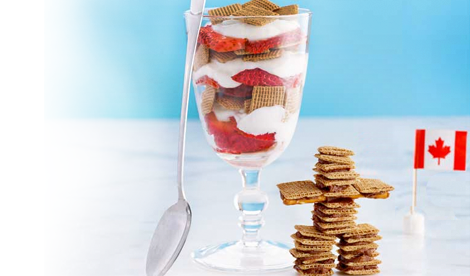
[257, 77]
[218, 42]
[242, 91]
[229, 139]
[205, 80]
[259, 46]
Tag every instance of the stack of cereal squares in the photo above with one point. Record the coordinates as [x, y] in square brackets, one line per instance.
[333, 195]
[335, 178]
[313, 251]
[357, 251]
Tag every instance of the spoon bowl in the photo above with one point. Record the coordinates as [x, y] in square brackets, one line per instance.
[174, 227]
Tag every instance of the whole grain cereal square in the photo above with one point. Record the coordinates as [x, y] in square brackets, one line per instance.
[267, 96]
[223, 57]
[207, 100]
[223, 11]
[231, 103]
[299, 192]
[247, 106]
[201, 57]
[310, 231]
[288, 10]
[293, 99]
[331, 150]
[255, 16]
[362, 229]
[335, 159]
[342, 174]
[372, 186]
[264, 4]
[242, 52]
[266, 56]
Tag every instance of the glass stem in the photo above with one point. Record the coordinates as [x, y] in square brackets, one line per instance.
[251, 201]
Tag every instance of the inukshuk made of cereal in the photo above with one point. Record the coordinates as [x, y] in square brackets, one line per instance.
[333, 194]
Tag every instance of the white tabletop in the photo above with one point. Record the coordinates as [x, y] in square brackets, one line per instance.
[113, 179]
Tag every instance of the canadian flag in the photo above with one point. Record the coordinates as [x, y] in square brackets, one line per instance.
[440, 149]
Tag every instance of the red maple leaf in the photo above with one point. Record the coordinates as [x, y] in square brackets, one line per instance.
[439, 150]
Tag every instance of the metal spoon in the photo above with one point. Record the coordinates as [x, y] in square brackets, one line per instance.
[173, 228]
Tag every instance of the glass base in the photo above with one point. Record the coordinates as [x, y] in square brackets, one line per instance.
[268, 256]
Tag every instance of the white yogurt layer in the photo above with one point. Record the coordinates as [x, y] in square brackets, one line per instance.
[268, 120]
[261, 121]
[289, 64]
[238, 29]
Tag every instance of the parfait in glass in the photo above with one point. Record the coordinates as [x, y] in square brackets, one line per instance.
[249, 72]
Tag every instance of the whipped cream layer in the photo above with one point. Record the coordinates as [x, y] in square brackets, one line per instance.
[289, 64]
[238, 29]
[261, 121]
[269, 119]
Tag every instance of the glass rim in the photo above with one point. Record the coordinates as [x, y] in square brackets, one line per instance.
[302, 13]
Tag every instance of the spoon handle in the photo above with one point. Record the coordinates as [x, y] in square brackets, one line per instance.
[193, 23]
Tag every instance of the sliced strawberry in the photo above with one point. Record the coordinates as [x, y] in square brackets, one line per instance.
[257, 77]
[259, 46]
[205, 80]
[218, 42]
[242, 91]
[229, 139]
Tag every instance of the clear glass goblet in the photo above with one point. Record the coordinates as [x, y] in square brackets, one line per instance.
[248, 76]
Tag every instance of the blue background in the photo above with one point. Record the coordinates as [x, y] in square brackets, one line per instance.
[125, 58]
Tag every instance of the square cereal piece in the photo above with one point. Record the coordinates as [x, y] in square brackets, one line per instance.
[314, 272]
[355, 247]
[333, 182]
[343, 174]
[242, 52]
[352, 255]
[335, 225]
[299, 192]
[335, 211]
[288, 10]
[372, 186]
[263, 56]
[255, 16]
[314, 265]
[333, 167]
[310, 231]
[300, 254]
[362, 229]
[267, 96]
[346, 160]
[349, 192]
[293, 99]
[264, 4]
[201, 57]
[223, 11]
[311, 241]
[223, 57]
[331, 150]
[346, 270]
[231, 103]
[207, 100]
[312, 248]
[340, 203]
